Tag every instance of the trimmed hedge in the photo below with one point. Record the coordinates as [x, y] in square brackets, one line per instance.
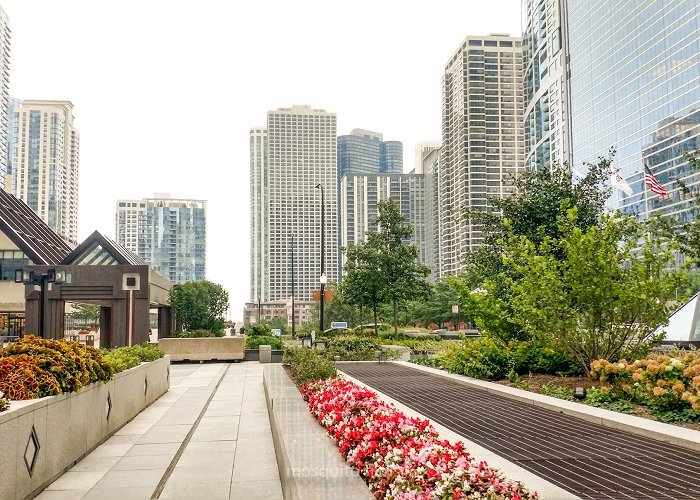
[307, 365]
[257, 341]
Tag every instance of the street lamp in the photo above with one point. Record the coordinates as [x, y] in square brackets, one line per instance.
[323, 278]
[28, 277]
[323, 281]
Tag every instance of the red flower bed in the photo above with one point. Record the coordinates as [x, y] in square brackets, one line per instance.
[401, 457]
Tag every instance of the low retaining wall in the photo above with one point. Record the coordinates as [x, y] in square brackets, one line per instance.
[42, 438]
[310, 465]
[204, 348]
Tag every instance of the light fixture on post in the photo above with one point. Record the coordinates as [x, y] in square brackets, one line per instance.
[323, 279]
[28, 277]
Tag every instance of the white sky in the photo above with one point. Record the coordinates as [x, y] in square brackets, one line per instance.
[166, 91]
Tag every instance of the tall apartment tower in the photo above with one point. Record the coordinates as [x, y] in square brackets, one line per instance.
[169, 234]
[360, 195]
[547, 119]
[5, 42]
[259, 215]
[298, 154]
[635, 86]
[482, 138]
[428, 163]
[45, 162]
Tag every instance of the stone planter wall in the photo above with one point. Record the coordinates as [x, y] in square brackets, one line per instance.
[41, 438]
[204, 348]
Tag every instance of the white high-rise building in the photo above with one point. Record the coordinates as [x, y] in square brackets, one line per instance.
[45, 162]
[547, 118]
[299, 154]
[5, 39]
[482, 139]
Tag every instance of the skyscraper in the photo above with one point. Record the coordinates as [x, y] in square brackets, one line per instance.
[546, 84]
[301, 154]
[482, 138]
[360, 195]
[169, 234]
[45, 162]
[635, 86]
[5, 39]
[366, 152]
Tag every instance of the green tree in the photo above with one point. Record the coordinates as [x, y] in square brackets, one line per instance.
[437, 306]
[85, 311]
[200, 305]
[362, 285]
[598, 292]
[402, 277]
[276, 323]
[540, 199]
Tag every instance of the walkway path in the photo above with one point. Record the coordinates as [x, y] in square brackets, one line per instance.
[208, 437]
[589, 460]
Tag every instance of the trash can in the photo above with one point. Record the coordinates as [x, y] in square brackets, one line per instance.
[265, 353]
[90, 340]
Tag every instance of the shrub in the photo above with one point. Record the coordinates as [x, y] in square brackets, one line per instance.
[481, 358]
[123, 358]
[21, 377]
[351, 348]
[257, 341]
[259, 330]
[195, 334]
[532, 357]
[72, 364]
[549, 389]
[307, 365]
[665, 383]
[4, 405]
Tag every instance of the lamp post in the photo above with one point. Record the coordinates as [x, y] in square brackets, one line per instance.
[293, 312]
[28, 277]
[323, 278]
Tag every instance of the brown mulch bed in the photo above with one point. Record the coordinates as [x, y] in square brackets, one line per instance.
[536, 381]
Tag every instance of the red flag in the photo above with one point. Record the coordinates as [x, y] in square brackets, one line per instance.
[652, 182]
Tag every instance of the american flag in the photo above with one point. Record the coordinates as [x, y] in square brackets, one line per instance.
[653, 184]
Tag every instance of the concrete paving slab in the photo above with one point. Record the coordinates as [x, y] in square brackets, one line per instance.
[199, 427]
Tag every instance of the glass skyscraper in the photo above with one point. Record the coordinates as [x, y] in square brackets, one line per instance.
[169, 234]
[635, 87]
[545, 80]
[366, 152]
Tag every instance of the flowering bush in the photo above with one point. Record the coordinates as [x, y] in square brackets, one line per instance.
[664, 382]
[401, 457]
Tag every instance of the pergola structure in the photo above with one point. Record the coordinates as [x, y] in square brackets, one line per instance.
[98, 271]
[101, 272]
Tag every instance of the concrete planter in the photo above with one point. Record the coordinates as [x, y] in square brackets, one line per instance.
[254, 355]
[41, 438]
[204, 348]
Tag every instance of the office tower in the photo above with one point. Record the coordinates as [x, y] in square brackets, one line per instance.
[45, 162]
[365, 152]
[360, 195]
[546, 86]
[635, 87]
[5, 42]
[482, 138]
[301, 154]
[169, 234]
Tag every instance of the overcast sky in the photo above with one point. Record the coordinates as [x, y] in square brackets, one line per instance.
[165, 92]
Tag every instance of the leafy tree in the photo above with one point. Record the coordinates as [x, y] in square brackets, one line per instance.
[199, 305]
[598, 292]
[276, 323]
[341, 308]
[362, 285]
[542, 197]
[85, 311]
[437, 306]
[403, 278]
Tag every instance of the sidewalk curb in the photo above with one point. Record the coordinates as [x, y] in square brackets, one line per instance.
[659, 431]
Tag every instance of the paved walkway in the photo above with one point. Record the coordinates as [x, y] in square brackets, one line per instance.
[587, 459]
[208, 437]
